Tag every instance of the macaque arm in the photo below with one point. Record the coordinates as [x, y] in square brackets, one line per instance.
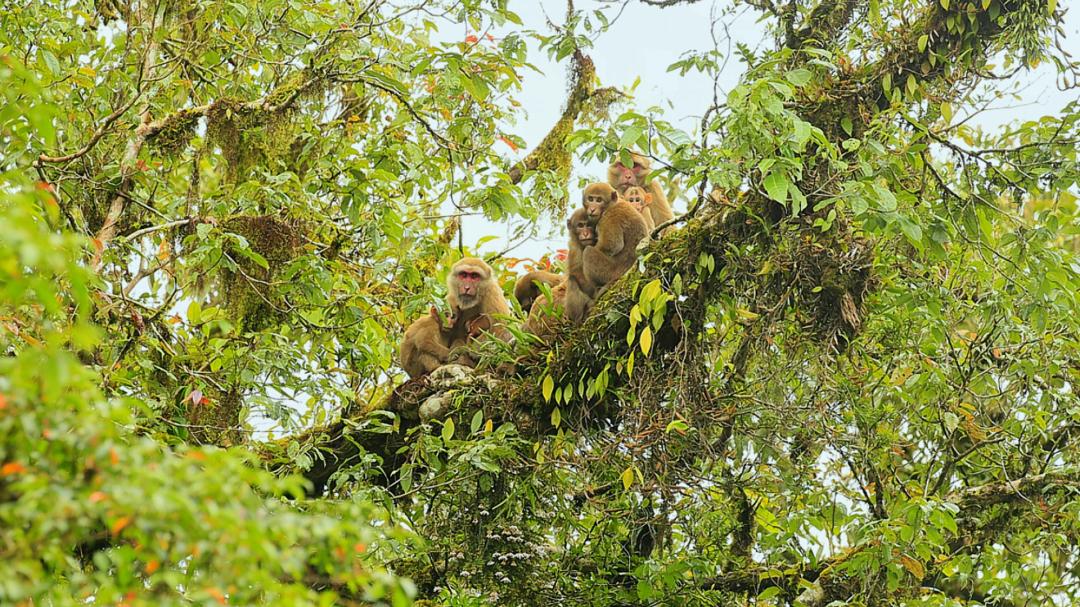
[599, 269]
[609, 239]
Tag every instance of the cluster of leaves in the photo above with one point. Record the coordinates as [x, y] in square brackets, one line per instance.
[94, 510]
[815, 390]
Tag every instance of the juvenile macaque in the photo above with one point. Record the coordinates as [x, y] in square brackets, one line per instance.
[476, 299]
[640, 200]
[621, 178]
[579, 290]
[574, 294]
[619, 229]
[527, 288]
[426, 345]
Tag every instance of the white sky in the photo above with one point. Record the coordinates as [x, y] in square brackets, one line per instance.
[645, 40]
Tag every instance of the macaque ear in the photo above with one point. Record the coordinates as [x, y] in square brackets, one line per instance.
[648, 199]
[614, 195]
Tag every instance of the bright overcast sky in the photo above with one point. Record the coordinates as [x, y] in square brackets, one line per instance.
[645, 40]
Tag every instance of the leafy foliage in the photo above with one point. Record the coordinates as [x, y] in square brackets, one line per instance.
[847, 376]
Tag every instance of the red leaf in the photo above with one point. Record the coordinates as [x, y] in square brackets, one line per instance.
[471, 39]
[510, 144]
[119, 525]
[11, 468]
[98, 496]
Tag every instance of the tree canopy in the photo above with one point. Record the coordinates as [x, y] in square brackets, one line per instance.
[847, 375]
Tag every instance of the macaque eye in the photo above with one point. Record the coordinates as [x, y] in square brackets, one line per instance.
[474, 275]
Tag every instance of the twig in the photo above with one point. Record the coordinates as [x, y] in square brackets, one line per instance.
[98, 134]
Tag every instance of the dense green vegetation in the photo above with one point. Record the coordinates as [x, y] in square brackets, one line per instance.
[848, 377]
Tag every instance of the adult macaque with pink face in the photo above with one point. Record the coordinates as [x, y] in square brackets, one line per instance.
[475, 298]
[622, 178]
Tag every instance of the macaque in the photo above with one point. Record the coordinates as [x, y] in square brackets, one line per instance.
[574, 294]
[476, 299]
[431, 342]
[579, 291]
[527, 288]
[640, 200]
[621, 178]
[426, 345]
[619, 229]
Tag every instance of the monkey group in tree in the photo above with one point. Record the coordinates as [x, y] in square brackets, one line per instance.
[604, 233]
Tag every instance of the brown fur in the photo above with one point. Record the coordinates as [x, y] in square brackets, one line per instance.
[426, 345]
[619, 229]
[527, 288]
[621, 178]
[541, 323]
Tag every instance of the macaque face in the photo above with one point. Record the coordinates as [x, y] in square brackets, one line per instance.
[597, 197]
[469, 280]
[637, 198]
[582, 231]
[630, 176]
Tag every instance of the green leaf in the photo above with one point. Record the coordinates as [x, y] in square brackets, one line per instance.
[194, 312]
[799, 77]
[922, 42]
[845, 123]
[646, 340]
[630, 137]
[51, 61]
[945, 4]
[627, 477]
[912, 231]
[946, 111]
[677, 425]
[477, 421]
[547, 387]
[556, 417]
[952, 421]
[776, 186]
[768, 593]
[448, 429]
[802, 131]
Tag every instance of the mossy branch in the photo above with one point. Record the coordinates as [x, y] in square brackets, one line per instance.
[583, 97]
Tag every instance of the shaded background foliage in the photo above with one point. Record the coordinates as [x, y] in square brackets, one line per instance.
[848, 377]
